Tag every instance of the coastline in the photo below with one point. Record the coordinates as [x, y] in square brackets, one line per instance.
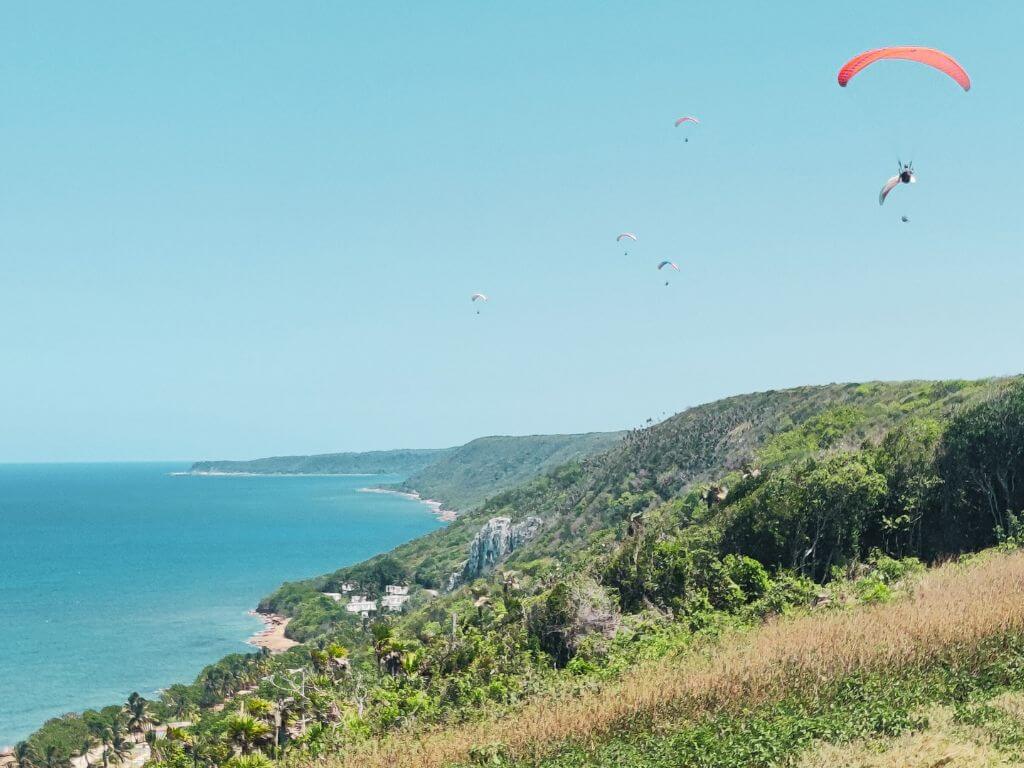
[436, 507]
[272, 636]
[221, 473]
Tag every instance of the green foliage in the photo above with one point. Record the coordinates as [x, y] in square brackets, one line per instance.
[981, 463]
[249, 761]
[571, 611]
[808, 517]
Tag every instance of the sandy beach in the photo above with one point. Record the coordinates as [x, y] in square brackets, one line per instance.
[436, 507]
[272, 636]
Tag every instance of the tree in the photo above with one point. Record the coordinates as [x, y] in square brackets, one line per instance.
[54, 758]
[86, 747]
[179, 702]
[906, 457]
[136, 710]
[981, 463]
[246, 733]
[24, 755]
[809, 517]
[116, 746]
[569, 613]
[249, 761]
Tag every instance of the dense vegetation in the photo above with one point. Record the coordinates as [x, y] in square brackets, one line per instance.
[631, 628]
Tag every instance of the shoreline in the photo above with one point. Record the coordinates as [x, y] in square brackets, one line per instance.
[436, 507]
[220, 473]
[272, 636]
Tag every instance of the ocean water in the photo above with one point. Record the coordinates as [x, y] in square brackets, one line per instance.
[123, 577]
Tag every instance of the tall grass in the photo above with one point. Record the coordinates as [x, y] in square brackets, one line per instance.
[955, 615]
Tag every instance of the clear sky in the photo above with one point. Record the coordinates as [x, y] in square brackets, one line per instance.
[240, 229]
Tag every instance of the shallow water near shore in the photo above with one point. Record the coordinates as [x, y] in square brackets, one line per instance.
[123, 577]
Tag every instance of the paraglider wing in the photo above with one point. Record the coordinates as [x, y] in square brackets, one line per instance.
[929, 56]
[687, 119]
[669, 264]
[890, 185]
[478, 297]
[630, 235]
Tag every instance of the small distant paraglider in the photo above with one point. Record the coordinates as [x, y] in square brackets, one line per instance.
[687, 119]
[478, 297]
[626, 236]
[905, 175]
[904, 219]
[670, 265]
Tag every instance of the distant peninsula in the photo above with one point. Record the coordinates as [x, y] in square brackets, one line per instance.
[460, 478]
[396, 462]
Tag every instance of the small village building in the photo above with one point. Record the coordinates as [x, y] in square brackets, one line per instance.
[393, 602]
[396, 589]
[361, 604]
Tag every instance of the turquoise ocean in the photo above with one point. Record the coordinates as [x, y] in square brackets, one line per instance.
[126, 577]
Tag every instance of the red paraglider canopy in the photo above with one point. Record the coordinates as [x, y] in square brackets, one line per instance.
[930, 56]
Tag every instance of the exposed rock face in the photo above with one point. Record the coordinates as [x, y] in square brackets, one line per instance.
[496, 540]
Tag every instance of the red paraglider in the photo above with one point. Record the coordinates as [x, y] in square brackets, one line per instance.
[929, 56]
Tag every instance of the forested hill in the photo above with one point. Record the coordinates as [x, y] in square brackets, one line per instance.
[466, 476]
[752, 449]
[461, 477]
[397, 462]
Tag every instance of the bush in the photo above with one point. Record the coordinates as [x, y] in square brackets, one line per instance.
[569, 612]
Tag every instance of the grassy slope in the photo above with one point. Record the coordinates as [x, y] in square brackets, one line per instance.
[484, 467]
[790, 690]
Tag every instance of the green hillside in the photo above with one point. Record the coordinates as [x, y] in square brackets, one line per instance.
[466, 476]
[745, 583]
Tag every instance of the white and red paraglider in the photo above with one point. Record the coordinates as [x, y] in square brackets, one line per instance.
[930, 57]
[687, 119]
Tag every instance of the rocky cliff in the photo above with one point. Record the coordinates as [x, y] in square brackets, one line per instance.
[496, 540]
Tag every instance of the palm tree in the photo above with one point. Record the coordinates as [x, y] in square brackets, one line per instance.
[207, 751]
[24, 755]
[249, 761]
[245, 733]
[382, 634]
[179, 703]
[54, 758]
[137, 711]
[87, 744]
[116, 746]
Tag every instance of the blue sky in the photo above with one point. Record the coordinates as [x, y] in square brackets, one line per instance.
[240, 229]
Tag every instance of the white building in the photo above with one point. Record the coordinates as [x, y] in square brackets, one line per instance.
[335, 596]
[360, 604]
[348, 586]
[393, 602]
[395, 589]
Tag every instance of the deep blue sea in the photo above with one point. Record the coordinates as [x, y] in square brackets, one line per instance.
[123, 577]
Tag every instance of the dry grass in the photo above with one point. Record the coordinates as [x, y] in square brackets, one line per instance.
[953, 609]
[1012, 703]
[942, 743]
